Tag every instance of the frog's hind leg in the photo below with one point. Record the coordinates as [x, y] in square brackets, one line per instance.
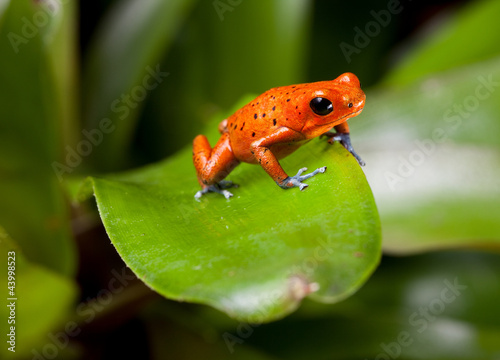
[213, 165]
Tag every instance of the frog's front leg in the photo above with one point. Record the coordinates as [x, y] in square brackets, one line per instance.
[269, 162]
[342, 135]
[213, 165]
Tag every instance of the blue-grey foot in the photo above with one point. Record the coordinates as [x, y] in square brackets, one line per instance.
[345, 140]
[219, 188]
[296, 181]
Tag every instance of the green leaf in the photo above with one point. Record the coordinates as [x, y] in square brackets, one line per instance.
[472, 35]
[433, 156]
[256, 255]
[43, 300]
[123, 64]
[34, 106]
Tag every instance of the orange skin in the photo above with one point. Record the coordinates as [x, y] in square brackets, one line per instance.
[273, 126]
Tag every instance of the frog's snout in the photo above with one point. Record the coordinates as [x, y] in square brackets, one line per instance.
[359, 101]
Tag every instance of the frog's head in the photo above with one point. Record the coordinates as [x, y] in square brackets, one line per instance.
[332, 103]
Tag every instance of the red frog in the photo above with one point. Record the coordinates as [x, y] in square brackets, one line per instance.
[274, 125]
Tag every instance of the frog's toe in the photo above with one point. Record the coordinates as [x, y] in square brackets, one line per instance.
[296, 181]
[226, 194]
[216, 188]
[199, 194]
[300, 171]
[360, 161]
[301, 177]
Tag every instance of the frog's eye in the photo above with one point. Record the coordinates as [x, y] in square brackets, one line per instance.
[321, 106]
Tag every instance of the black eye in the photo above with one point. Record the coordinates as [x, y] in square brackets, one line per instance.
[321, 106]
[350, 105]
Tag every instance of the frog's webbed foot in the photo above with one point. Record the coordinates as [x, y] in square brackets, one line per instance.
[296, 181]
[345, 140]
[219, 188]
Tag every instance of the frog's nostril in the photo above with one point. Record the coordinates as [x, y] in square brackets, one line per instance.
[350, 105]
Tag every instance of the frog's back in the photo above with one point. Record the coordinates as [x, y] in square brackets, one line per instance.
[262, 116]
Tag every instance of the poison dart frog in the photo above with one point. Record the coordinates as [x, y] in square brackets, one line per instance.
[273, 126]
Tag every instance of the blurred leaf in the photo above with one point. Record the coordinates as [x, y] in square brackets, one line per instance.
[3, 6]
[43, 300]
[250, 257]
[62, 64]
[433, 156]
[34, 105]
[123, 66]
[188, 343]
[268, 38]
[336, 46]
[472, 35]
[439, 306]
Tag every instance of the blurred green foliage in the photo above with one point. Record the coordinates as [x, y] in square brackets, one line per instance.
[45, 298]
[419, 69]
[36, 115]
